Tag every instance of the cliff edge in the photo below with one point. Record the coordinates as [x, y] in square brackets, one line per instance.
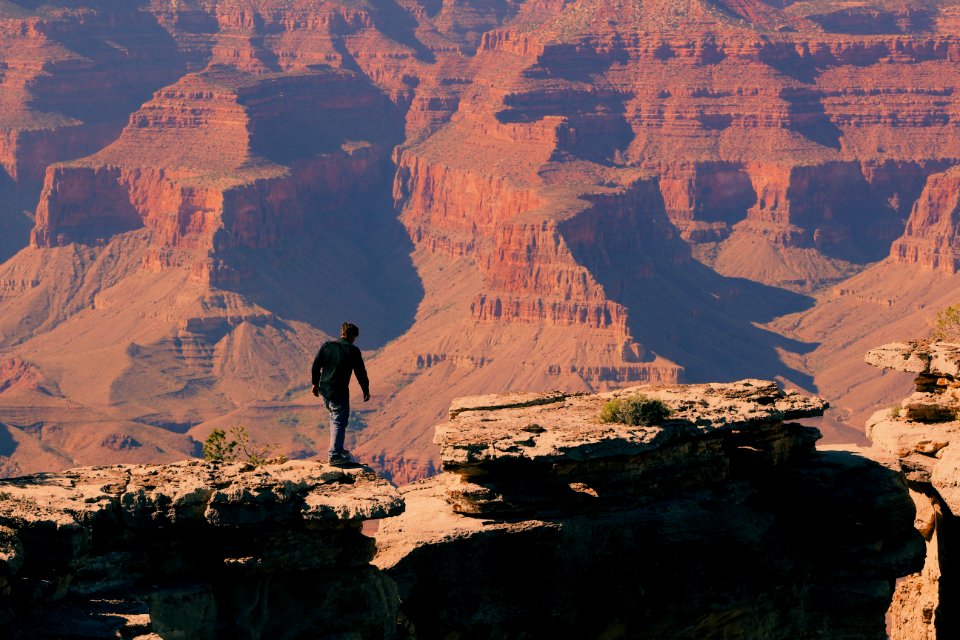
[921, 436]
[717, 519]
[194, 550]
[721, 521]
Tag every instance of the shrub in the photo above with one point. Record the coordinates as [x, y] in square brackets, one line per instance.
[946, 326]
[895, 412]
[217, 448]
[635, 410]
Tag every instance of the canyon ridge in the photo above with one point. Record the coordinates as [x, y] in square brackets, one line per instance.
[503, 195]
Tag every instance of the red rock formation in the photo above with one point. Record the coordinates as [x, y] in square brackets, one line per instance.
[220, 161]
[930, 238]
[70, 76]
[593, 193]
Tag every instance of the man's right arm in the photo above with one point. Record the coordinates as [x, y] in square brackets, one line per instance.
[316, 371]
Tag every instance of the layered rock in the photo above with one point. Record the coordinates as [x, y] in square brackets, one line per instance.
[223, 161]
[194, 550]
[590, 193]
[71, 74]
[722, 519]
[601, 154]
[919, 436]
[930, 238]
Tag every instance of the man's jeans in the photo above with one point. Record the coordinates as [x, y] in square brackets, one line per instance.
[339, 407]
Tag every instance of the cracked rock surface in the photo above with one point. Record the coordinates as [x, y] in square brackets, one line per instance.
[195, 549]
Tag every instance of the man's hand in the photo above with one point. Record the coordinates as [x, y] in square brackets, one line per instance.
[366, 396]
[316, 390]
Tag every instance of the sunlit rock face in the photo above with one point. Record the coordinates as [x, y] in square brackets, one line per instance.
[919, 436]
[721, 520]
[503, 195]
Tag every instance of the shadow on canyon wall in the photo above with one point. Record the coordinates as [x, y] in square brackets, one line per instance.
[15, 223]
[7, 444]
[141, 55]
[710, 325]
[677, 307]
[352, 265]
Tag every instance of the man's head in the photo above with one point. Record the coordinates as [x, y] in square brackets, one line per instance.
[349, 331]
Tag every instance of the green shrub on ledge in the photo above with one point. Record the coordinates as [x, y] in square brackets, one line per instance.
[946, 326]
[218, 448]
[636, 410]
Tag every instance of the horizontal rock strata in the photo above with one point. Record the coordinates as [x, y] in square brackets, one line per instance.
[722, 520]
[922, 437]
[194, 550]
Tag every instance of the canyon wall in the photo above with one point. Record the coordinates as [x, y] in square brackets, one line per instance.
[930, 237]
[503, 195]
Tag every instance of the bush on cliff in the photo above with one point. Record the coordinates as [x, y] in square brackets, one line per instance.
[217, 448]
[635, 410]
[946, 326]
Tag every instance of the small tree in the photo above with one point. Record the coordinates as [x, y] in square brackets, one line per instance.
[217, 448]
[946, 326]
[636, 410]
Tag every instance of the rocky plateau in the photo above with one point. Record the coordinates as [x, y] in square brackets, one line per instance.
[720, 520]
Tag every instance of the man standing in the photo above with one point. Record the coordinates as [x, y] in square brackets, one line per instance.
[332, 367]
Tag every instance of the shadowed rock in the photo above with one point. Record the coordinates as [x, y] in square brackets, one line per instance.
[721, 521]
[194, 550]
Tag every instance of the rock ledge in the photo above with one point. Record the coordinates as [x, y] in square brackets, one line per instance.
[194, 549]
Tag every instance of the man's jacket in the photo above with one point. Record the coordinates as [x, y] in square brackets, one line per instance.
[333, 365]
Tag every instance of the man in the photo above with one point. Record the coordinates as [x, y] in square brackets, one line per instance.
[332, 367]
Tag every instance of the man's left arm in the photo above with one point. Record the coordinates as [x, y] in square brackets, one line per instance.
[316, 371]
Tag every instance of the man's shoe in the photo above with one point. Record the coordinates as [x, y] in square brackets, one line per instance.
[340, 459]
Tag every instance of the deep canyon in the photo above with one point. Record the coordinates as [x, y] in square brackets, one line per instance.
[504, 195]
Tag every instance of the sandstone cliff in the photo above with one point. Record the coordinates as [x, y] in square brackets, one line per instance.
[722, 521]
[930, 238]
[918, 435]
[194, 550]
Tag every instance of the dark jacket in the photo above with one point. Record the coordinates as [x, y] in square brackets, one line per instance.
[333, 365]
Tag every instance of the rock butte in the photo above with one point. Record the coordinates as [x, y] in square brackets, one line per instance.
[723, 520]
[591, 194]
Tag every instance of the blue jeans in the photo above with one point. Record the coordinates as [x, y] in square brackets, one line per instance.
[339, 408]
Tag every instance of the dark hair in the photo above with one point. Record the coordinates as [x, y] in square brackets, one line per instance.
[349, 330]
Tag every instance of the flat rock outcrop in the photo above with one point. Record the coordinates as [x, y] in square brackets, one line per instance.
[721, 520]
[921, 437]
[194, 550]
